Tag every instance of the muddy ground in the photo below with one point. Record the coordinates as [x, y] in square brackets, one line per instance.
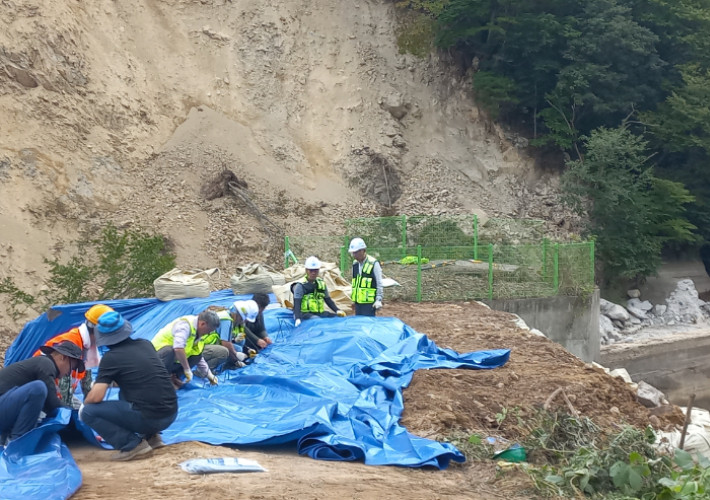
[437, 403]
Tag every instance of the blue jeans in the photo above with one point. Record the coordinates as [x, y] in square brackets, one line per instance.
[20, 408]
[365, 310]
[121, 424]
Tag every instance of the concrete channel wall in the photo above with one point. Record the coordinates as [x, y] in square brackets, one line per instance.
[677, 365]
[570, 321]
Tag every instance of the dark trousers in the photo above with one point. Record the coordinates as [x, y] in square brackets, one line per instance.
[167, 356]
[365, 310]
[324, 314]
[121, 424]
[20, 408]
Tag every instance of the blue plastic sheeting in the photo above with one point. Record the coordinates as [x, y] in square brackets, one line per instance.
[332, 385]
[38, 465]
[146, 315]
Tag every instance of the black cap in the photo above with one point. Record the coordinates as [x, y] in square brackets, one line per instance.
[68, 349]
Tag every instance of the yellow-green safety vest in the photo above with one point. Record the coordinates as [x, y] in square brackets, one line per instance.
[164, 337]
[364, 284]
[313, 296]
[238, 334]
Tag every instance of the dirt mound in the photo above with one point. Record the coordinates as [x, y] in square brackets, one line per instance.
[438, 402]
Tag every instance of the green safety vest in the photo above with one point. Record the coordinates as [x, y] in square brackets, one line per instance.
[164, 337]
[364, 284]
[313, 296]
[237, 331]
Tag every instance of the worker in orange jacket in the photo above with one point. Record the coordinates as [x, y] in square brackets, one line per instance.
[83, 337]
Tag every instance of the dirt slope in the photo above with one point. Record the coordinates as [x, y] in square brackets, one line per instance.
[311, 102]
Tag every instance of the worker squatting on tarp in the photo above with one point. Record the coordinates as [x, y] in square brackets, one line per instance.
[332, 386]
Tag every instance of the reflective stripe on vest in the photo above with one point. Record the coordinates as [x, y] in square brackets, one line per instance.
[313, 302]
[164, 337]
[364, 285]
[237, 331]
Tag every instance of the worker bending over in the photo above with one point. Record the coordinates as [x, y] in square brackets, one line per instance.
[27, 388]
[367, 280]
[83, 337]
[226, 343]
[180, 345]
[147, 402]
[259, 338]
[310, 295]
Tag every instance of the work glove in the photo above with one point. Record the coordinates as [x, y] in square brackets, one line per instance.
[212, 378]
[252, 353]
[76, 403]
[188, 376]
[81, 411]
[341, 313]
[298, 322]
[377, 305]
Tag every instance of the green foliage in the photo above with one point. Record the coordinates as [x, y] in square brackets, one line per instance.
[118, 264]
[129, 262]
[415, 35]
[493, 91]
[631, 213]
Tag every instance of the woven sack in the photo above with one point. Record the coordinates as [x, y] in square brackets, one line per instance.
[178, 284]
[255, 278]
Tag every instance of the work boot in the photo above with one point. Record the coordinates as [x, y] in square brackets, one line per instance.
[123, 456]
[155, 441]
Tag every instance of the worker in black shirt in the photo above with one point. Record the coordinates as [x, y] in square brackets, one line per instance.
[28, 388]
[258, 327]
[147, 402]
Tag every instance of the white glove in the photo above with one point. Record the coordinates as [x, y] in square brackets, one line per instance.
[76, 403]
[340, 313]
[213, 380]
[81, 410]
[241, 356]
[377, 305]
[298, 321]
[188, 376]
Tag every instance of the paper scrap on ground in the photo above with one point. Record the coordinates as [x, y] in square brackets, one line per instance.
[215, 465]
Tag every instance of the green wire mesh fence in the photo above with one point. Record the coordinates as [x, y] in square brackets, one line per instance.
[455, 258]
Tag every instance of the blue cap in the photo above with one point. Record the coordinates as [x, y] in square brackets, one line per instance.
[112, 329]
[110, 321]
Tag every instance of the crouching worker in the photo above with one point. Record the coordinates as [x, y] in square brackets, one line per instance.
[27, 388]
[259, 338]
[224, 346]
[147, 402]
[310, 295]
[83, 337]
[180, 345]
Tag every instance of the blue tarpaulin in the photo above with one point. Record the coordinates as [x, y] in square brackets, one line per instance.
[332, 386]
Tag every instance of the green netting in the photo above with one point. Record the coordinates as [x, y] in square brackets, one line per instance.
[505, 258]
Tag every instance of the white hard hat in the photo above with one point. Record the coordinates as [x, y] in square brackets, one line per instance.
[312, 263]
[247, 309]
[356, 244]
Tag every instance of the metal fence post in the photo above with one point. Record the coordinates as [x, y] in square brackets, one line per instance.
[404, 236]
[556, 279]
[544, 260]
[287, 247]
[490, 271]
[475, 237]
[343, 260]
[419, 273]
[591, 259]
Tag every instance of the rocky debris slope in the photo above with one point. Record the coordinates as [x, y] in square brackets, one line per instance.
[618, 323]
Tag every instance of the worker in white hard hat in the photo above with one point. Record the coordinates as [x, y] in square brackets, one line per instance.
[310, 295]
[367, 280]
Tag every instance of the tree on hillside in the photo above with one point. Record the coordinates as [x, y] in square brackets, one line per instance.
[631, 213]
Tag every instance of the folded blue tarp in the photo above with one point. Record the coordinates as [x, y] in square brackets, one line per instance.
[332, 386]
[38, 465]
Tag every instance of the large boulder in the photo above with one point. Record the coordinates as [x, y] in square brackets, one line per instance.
[649, 396]
[614, 311]
[606, 327]
[638, 304]
[638, 313]
[634, 294]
